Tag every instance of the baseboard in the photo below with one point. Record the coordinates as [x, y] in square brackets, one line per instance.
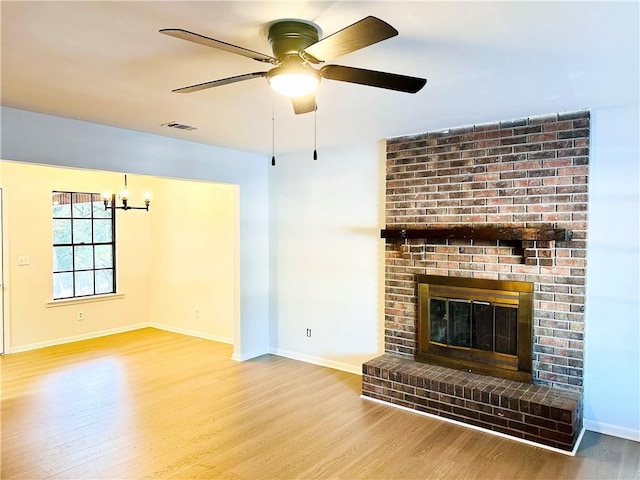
[191, 333]
[572, 453]
[77, 338]
[113, 331]
[241, 357]
[323, 362]
[613, 430]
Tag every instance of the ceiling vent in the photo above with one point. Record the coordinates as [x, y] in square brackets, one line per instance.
[179, 126]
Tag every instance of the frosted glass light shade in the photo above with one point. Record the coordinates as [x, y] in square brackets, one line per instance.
[293, 79]
[294, 84]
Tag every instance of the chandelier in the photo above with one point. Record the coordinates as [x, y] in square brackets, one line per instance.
[109, 199]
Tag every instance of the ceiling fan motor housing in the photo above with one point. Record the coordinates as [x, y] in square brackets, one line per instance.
[289, 37]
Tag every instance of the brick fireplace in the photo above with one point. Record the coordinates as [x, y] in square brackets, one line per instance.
[528, 173]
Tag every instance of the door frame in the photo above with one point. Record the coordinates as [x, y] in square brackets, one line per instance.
[2, 277]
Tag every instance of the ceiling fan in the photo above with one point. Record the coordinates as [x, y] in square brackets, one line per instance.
[296, 48]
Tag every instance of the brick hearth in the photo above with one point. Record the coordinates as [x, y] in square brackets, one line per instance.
[540, 414]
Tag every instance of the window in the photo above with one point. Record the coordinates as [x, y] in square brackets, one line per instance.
[83, 246]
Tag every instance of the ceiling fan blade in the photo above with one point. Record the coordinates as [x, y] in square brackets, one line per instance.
[361, 34]
[304, 104]
[391, 81]
[211, 42]
[218, 83]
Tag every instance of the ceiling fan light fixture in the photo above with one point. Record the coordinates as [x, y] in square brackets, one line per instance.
[297, 49]
[294, 82]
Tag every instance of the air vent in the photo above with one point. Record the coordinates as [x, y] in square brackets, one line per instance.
[179, 126]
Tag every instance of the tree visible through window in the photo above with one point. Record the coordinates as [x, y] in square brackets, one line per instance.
[83, 245]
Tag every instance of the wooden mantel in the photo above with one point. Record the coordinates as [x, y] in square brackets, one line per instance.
[478, 233]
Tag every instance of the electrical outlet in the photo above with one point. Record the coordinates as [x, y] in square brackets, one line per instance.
[23, 260]
[197, 313]
[308, 332]
[80, 316]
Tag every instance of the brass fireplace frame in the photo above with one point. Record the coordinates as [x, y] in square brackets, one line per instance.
[498, 292]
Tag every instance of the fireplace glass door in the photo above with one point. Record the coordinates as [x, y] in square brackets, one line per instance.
[471, 324]
[476, 325]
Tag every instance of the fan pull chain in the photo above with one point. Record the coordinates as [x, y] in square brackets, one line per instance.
[273, 133]
[315, 133]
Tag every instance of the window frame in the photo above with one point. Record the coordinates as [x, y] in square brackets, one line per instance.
[95, 198]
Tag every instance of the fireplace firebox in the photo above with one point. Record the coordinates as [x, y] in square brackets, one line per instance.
[477, 325]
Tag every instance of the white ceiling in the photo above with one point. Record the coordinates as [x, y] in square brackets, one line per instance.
[105, 62]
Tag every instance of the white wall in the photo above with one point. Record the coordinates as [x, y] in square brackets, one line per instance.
[327, 257]
[45, 139]
[612, 353]
[195, 258]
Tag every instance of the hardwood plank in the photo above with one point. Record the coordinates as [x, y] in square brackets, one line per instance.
[157, 405]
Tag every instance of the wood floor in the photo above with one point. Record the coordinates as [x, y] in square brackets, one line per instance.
[156, 405]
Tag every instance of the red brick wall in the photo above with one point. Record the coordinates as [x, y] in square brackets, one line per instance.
[526, 172]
